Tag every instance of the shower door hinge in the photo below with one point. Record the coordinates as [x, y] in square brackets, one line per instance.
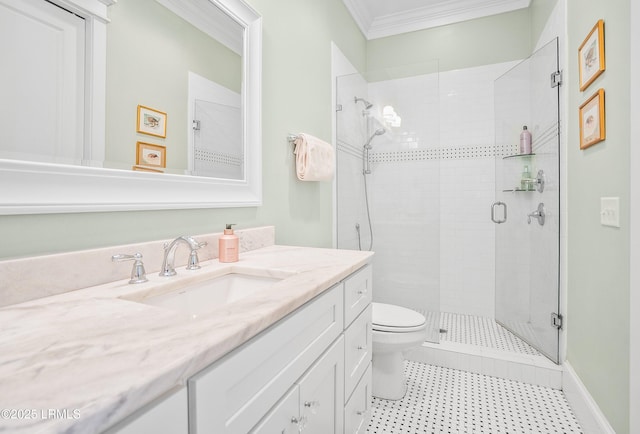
[195, 124]
[339, 107]
[556, 79]
[556, 320]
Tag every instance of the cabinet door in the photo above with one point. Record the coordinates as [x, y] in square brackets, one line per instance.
[283, 418]
[357, 412]
[321, 397]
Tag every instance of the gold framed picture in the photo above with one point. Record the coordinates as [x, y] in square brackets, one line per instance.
[151, 121]
[591, 60]
[592, 122]
[148, 154]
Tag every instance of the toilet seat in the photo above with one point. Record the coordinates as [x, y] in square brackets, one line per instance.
[396, 319]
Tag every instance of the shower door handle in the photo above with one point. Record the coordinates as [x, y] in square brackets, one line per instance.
[493, 212]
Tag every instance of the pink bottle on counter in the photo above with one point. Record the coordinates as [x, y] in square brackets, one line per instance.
[228, 246]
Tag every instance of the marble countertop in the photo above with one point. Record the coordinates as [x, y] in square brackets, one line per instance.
[96, 356]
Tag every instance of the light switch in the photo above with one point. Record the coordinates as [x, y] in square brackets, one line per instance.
[610, 211]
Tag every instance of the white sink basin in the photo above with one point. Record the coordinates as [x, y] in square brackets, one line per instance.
[202, 297]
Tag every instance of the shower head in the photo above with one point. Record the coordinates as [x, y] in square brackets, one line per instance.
[378, 132]
[367, 104]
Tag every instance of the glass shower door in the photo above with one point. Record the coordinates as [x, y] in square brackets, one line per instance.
[527, 207]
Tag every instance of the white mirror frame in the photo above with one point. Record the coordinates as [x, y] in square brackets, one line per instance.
[37, 188]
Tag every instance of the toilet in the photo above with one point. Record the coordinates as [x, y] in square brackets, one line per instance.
[395, 329]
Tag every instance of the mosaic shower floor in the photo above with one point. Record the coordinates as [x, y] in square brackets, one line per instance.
[479, 331]
[444, 400]
[484, 332]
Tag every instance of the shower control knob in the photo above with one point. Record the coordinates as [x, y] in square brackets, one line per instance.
[538, 214]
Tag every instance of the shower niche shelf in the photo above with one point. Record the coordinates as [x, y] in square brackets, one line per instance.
[517, 189]
[535, 184]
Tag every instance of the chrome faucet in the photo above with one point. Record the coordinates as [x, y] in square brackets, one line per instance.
[168, 268]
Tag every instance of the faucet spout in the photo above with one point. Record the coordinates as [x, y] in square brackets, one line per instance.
[168, 267]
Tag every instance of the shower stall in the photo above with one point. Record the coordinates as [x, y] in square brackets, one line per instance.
[387, 184]
[421, 156]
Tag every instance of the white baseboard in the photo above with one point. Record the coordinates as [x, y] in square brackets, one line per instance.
[585, 408]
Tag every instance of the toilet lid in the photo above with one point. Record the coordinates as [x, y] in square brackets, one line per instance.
[388, 317]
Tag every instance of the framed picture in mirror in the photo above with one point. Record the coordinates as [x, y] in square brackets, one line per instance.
[152, 122]
[148, 154]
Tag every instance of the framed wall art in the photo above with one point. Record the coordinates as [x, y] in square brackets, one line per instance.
[148, 154]
[151, 121]
[591, 59]
[592, 122]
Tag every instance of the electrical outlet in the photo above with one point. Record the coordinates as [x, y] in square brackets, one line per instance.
[610, 211]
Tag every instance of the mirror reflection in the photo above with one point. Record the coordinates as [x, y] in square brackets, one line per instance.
[173, 91]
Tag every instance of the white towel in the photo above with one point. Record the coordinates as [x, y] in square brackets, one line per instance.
[314, 159]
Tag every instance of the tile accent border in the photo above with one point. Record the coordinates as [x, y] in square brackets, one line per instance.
[453, 153]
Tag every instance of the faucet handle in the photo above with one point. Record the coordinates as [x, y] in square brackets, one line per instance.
[194, 262]
[138, 274]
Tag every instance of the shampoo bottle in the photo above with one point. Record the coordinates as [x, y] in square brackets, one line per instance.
[228, 246]
[525, 141]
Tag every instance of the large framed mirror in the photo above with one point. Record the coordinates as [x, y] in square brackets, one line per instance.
[209, 102]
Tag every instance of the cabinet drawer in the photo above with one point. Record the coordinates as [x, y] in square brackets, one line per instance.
[357, 411]
[233, 394]
[358, 290]
[357, 351]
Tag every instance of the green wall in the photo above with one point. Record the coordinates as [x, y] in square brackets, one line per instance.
[598, 256]
[463, 45]
[296, 98]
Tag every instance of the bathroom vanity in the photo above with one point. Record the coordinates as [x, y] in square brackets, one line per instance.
[296, 353]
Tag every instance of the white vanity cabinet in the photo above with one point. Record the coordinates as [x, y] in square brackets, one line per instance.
[308, 371]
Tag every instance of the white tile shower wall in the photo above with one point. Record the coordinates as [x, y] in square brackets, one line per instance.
[405, 227]
[467, 188]
[467, 236]
[437, 219]
[404, 196]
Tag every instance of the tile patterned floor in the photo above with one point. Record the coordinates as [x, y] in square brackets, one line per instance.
[485, 332]
[480, 331]
[442, 400]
